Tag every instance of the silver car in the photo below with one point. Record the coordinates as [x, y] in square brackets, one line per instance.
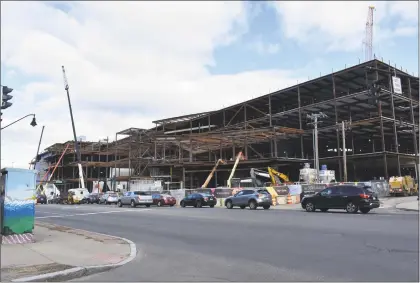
[109, 198]
[251, 198]
[136, 198]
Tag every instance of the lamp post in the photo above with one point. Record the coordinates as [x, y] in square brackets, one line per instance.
[33, 122]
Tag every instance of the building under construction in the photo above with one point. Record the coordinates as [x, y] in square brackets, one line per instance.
[381, 133]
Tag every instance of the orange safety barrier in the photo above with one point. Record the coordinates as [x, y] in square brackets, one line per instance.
[289, 199]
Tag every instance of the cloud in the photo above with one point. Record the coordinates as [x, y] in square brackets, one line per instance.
[340, 26]
[127, 64]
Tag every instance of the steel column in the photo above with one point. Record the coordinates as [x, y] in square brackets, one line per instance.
[414, 128]
[336, 122]
[302, 153]
[269, 109]
[395, 124]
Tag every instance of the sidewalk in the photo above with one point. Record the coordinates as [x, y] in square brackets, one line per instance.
[410, 206]
[59, 248]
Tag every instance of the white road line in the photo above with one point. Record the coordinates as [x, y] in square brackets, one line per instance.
[89, 213]
[47, 212]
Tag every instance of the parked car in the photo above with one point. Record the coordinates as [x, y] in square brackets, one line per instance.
[349, 198]
[109, 198]
[251, 198]
[199, 200]
[79, 195]
[135, 198]
[41, 198]
[93, 198]
[163, 199]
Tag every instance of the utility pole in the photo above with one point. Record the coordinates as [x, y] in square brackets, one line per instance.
[315, 118]
[107, 154]
[39, 145]
[344, 150]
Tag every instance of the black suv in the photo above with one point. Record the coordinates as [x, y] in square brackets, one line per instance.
[350, 198]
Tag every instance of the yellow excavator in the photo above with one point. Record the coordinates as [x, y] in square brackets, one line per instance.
[220, 161]
[275, 177]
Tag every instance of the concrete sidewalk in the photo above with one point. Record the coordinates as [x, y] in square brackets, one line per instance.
[410, 206]
[59, 248]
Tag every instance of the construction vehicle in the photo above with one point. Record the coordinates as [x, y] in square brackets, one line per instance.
[212, 173]
[255, 182]
[276, 176]
[402, 185]
[76, 143]
[232, 173]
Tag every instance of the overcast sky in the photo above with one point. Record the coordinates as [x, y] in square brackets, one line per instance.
[129, 63]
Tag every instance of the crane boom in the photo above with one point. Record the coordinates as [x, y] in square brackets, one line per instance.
[369, 34]
[76, 144]
[211, 173]
[66, 88]
[229, 181]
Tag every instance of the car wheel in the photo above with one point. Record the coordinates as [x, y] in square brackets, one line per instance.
[198, 204]
[211, 206]
[229, 204]
[364, 210]
[119, 203]
[160, 203]
[252, 205]
[266, 206]
[310, 207]
[172, 205]
[324, 209]
[182, 203]
[351, 208]
[132, 203]
[242, 206]
[147, 205]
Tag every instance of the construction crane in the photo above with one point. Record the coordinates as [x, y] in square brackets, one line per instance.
[76, 144]
[212, 173]
[229, 181]
[369, 35]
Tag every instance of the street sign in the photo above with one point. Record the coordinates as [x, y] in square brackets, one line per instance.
[396, 85]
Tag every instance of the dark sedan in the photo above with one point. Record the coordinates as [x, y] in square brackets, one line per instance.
[199, 200]
[349, 198]
[42, 199]
[93, 198]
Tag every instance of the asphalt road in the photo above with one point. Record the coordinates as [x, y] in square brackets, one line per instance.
[190, 244]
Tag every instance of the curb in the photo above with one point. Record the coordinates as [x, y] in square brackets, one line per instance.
[407, 209]
[81, 271]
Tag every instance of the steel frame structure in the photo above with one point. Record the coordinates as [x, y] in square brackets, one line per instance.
[272, 130]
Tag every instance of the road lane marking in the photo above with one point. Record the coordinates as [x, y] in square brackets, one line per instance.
[81, 214]
[47, 212]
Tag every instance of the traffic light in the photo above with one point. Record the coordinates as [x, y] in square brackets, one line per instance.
[5, 97]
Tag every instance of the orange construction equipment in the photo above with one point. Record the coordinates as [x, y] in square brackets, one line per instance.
[289, 199]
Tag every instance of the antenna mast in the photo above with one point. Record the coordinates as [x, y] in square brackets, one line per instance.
[369, 34]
